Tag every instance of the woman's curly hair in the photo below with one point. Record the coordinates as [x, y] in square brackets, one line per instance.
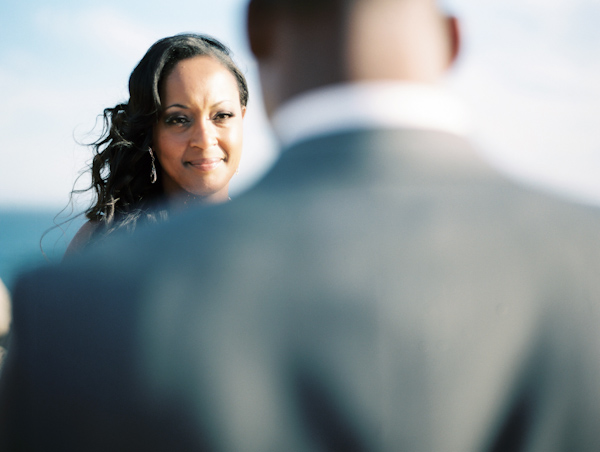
[122, 164]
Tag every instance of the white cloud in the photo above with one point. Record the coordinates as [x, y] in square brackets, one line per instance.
[531, 77]
[547, 136]
[39, 153]
[103, 28]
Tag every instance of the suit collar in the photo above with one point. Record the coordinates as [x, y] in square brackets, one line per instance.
[382, 158]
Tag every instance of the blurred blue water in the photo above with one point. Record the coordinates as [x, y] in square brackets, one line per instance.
[20, 234]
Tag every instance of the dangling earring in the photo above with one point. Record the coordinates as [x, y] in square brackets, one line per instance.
[153, 176]
[237, 171]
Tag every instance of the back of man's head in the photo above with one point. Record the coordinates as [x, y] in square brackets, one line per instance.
[305, 44]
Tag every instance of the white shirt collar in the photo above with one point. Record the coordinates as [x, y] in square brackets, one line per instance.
[381, 104]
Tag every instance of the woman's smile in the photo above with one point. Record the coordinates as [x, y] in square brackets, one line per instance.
[206, 164]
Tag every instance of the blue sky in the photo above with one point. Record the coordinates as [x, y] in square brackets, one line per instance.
[529, 73]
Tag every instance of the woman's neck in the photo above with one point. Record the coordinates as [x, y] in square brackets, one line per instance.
[182, 201]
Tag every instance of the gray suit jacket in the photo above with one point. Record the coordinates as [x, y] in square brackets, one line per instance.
[378, 290]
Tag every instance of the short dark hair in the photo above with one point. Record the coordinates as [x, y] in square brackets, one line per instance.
[303, 7]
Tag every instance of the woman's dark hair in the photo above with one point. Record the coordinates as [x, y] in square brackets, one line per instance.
[122, 164]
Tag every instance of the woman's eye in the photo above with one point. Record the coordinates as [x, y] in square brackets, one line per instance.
[176, 120]
[223, 116]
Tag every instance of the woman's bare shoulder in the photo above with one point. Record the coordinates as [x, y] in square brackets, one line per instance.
[81, 238]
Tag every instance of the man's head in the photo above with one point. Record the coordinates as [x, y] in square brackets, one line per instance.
[305, 44]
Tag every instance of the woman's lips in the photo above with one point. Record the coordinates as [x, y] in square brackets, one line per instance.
[206, 164]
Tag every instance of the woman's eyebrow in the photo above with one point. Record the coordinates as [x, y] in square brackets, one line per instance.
[176, 105]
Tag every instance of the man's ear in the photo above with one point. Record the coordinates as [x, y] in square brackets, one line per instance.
[260, 21]
[454, 39]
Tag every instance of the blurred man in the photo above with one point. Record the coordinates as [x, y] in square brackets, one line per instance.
[381, 289]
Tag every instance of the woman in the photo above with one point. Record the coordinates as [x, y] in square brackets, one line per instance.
[178, 138]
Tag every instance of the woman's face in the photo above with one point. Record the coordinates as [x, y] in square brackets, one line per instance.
[198, 137]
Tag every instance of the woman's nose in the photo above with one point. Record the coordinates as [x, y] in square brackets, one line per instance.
[203, 135]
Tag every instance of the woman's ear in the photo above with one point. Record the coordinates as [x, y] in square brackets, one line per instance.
[260, 20]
